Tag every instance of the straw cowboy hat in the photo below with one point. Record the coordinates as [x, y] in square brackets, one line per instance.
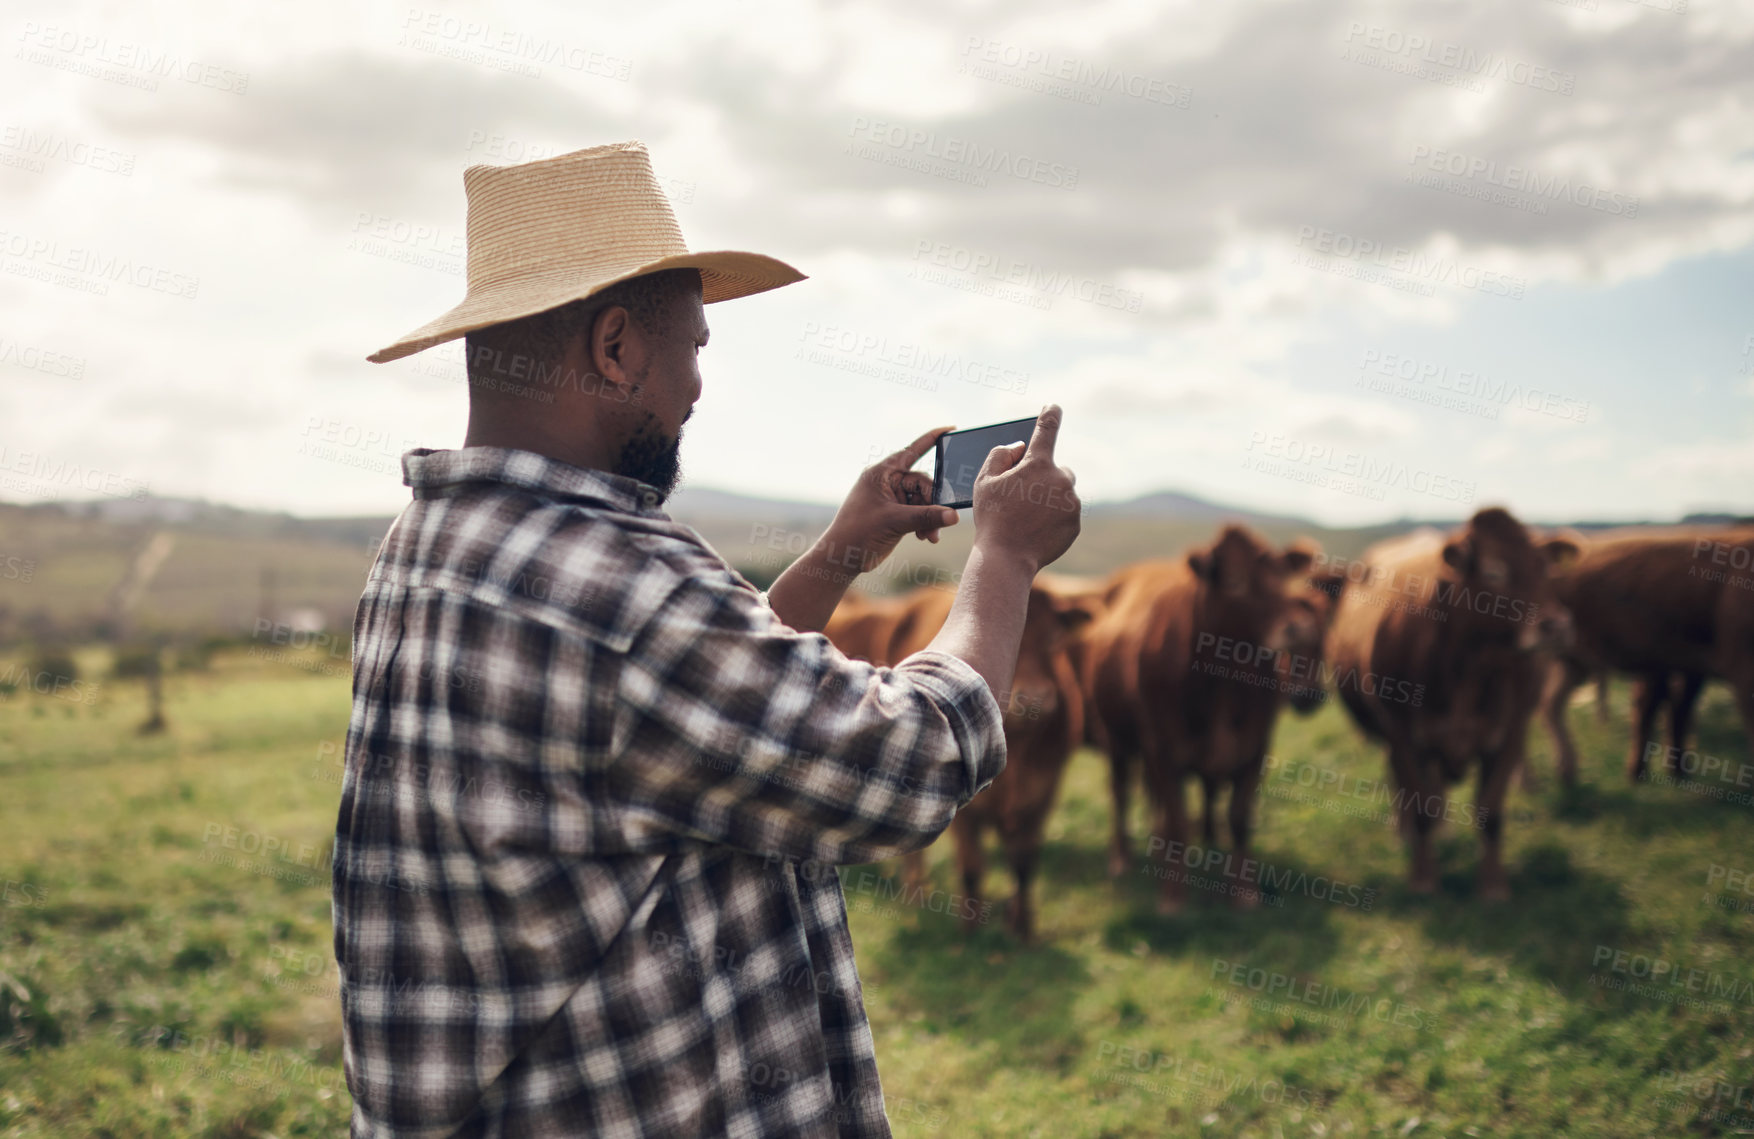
[543, 233]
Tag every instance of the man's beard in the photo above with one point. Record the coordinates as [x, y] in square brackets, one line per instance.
[652, 457]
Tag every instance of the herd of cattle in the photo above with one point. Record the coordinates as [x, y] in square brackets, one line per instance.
[1441, 647]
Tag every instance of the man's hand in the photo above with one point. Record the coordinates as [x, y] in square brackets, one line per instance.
[889, 502]
[1025, 504]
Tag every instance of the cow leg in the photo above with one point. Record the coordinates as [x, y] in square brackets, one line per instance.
[1417, 820]
[1495, 772]
[1242, 801]
[913, 869]
[1023, 852]
[1649, 693]
[1172, 827]
[1682, 702]
[1602, 697]
[1563, 679]
[1209, 816]
[966, 833]
[1742, 680]
[1120, 775]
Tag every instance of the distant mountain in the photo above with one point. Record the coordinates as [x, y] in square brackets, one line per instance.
[693, 504]
[1173, 506]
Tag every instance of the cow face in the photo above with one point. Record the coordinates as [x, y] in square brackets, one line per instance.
[1051, 623]
[1501, 589]
[1310, 606]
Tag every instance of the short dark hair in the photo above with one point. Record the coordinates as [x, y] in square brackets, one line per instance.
[538, 343]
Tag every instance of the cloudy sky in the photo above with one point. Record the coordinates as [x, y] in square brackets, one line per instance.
[1350, 260]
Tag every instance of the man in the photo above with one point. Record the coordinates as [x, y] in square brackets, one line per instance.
[596, 782]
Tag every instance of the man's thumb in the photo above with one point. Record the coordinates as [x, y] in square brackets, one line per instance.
[912, 519]
[1002, 459]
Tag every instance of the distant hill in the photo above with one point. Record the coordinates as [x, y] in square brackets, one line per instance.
[228, 567]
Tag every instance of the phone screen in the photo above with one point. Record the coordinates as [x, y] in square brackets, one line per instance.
[961, 454]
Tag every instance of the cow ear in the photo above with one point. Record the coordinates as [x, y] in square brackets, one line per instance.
[1560, 552]
[1330, 582]
[1459, 554]
[1300, 555]
[1076, 612]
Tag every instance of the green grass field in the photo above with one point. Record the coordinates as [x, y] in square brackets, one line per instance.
[147, 988]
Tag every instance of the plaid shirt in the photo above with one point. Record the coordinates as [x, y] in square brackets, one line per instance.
[595, 792]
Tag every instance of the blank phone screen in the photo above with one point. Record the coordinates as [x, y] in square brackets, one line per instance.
[962, 453]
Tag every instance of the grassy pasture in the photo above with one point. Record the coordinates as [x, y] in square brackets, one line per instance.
[123, 923]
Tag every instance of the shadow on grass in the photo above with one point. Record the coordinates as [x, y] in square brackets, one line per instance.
[1558, 911]
[983, 985]
[1291, 928]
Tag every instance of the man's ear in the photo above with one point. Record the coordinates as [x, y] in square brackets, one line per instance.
[1460, 554]
[1200, 561]
[616, 351]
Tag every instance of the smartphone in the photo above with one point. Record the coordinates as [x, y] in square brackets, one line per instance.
[960, 455]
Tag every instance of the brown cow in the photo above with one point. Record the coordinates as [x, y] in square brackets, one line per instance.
[1185, 672]
[1672, 608]
[1438, 654]
[1043, 725]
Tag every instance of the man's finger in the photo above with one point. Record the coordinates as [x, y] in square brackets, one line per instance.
[1000, 459]
[910, 454]
[915, 488]
[920, 519]
[1047, 430]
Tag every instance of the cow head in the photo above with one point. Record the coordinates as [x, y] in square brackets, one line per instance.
[1245, 615]
[1052, 621]
[1310, 604]
[1500, 588]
